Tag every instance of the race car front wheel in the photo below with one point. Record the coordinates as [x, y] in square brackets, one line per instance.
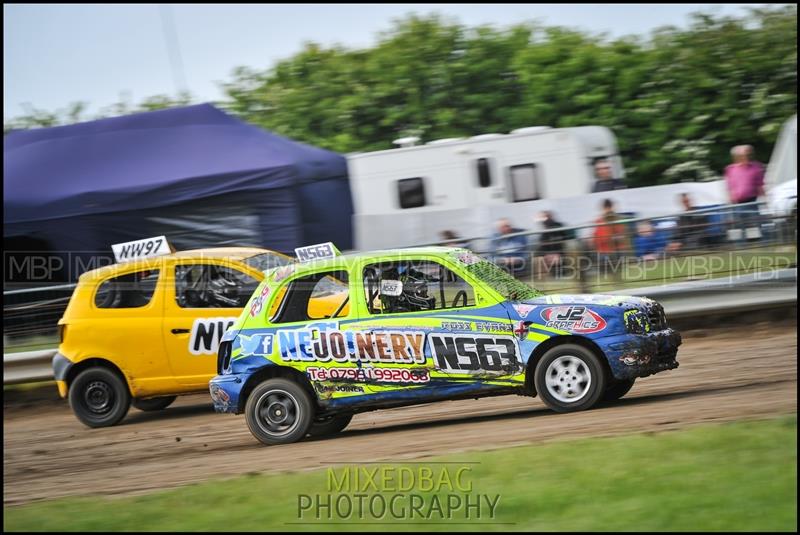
[330, 425]
[279, 411]
[569, 378]
[99, 397]
[154, 404]
[618, 388]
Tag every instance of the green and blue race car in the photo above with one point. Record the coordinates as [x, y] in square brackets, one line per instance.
[417, 325]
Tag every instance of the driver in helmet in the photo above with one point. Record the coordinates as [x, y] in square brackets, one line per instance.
[208, 286]
[414, 295]
[223, 292]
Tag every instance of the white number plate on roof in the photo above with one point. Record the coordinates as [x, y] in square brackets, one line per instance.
[145, 248]
[315, 252]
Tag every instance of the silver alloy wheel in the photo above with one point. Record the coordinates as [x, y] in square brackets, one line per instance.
[277, 412]
[568, 378]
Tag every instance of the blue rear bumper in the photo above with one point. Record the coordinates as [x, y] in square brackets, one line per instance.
[225, 392]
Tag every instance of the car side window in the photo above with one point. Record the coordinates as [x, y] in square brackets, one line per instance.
[212, 286]
[314, 297]
[132, 290]
[413, 286]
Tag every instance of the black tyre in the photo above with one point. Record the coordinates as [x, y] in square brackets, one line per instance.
[569, 378]
[279, 411]
[99, 397]
[329, 426]
[154, 404]
[617, 388]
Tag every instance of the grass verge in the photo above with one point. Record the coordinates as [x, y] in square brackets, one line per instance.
[732, 477]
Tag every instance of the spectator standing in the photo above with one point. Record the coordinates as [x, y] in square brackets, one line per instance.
[745, 176]
[744, 179]
[551, 243]
[509, 251]
[604, 177]
[692, 228]
[609, 235]
[647, 244]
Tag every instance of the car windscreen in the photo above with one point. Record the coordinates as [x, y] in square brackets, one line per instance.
[267, 261]
[499, 280]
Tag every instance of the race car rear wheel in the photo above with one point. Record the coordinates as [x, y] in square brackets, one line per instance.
[617, 388]
[99, 397]
[569, 378]
[279, 411]
[329, 426]
[154, 404]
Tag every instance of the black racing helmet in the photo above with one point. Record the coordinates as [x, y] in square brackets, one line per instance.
[414, 295]
[223, 291]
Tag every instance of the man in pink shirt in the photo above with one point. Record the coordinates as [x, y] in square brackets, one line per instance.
[745, 176]
[745, 181]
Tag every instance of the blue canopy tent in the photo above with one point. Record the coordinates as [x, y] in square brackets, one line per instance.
[195, 174]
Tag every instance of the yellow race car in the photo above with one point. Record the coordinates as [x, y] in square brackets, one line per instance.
[146, 329]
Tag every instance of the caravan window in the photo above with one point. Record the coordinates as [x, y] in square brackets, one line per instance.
[411, 192]
[484, 172]
[525, 182]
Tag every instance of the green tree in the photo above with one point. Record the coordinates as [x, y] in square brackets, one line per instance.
[77, 112]
[677, 99]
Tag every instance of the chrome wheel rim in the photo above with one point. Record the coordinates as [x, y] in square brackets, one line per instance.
[568, 379]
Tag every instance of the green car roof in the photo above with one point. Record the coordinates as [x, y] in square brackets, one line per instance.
[337, 261]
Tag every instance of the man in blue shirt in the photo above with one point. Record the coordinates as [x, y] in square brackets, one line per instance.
[509, 251]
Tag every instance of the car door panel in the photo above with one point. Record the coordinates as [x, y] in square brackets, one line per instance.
[192, 329]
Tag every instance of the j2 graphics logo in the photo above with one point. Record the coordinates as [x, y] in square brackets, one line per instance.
[574, 318]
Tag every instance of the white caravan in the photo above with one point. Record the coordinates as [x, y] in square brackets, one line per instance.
[781, 179]
[783, 162]
[408, 195]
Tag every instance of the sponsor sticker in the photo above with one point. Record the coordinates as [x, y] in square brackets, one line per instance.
[521, 330]
[454, 353]
[258, 304]
[206, 334]
[523, 310]
[381, 375]
[323, 344]
[391, 288]
[323, 388]
[491, 326]
[220, 396]
[483, 326]
[457, 325]
[468, 258]
[259, 345]
[573, 318]
[636, 321]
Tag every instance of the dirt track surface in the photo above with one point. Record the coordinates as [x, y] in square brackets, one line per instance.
[724, 374]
